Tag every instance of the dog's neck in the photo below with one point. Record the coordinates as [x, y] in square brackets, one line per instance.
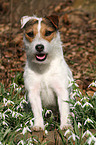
[37, 67]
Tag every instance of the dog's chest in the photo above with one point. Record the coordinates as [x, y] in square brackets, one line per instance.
[47, 95]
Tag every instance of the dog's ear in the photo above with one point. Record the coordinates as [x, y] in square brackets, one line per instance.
[24, 20]
[54, 20]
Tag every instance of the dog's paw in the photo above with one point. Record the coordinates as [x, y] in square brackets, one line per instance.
[38, 128]
[66, 126]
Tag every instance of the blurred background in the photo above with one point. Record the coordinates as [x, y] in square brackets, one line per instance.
[78, 33]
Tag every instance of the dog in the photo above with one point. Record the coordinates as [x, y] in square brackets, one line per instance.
[46, 74]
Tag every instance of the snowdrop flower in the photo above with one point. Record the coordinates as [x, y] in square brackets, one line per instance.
[9, 102]
[46, 132]
[73, 136]
[14, 85]
[88, 120]
[25, 129]
[18, 89]
[78, 103]
[21, 104]
[8, 110]
[87, 133]
[21, 142]
[94, 94]
[23, 101]
[76, 84]
[31, 121]
[85, 98]
[72, 114]
[48, 112]
[72, 95]
[1, 143]
[67, 132]
[87, 104]
[18, 129]
[29, 140]
[26, 122]
[4, 123]
[18, 114]
[93, 84]
[4, 100]
[13, 114]
[92, 138]
[79, 124]
[3, 115]
[72, 83]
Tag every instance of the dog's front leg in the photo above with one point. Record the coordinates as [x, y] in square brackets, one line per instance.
[36, 105]
[63, 96]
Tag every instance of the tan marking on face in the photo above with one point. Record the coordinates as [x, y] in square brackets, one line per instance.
[47, 31]
[31, 28]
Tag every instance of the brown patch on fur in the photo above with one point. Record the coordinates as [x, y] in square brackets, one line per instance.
[44, 29]
[31, 27]
[47, 31]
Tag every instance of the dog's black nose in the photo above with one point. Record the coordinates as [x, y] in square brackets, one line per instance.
[39, 47]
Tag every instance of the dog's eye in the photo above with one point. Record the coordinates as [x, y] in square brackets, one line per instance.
[30, 34]
[48, 33]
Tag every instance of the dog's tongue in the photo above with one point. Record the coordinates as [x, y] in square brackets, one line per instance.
[40, 57]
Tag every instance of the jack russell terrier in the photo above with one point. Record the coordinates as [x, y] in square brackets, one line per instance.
[46, 74]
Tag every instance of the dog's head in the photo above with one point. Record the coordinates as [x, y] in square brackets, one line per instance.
[41, 37]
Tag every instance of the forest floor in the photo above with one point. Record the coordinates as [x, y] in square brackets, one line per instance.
[78, 34]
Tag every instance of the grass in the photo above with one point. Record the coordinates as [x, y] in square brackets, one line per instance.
[16, 118]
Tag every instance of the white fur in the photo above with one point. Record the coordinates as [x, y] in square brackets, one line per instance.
[44, 79]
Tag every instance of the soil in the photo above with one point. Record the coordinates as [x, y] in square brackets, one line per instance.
[78, 34]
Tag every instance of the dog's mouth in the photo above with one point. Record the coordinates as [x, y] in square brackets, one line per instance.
[41, 57]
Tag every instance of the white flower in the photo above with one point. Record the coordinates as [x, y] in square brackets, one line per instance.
[14, 85]
[76, 84]
[31, 122]
[67, 132]
[87, 104]
[13, 114]
[4, 123]
[78, 103]
[88, 120]
[94, 94]
[85, 98]
[26, 122]
[18, 89]
[3, 115]
[87, 133]
[92, 138]
[8, 110]
[9, 102]
[1, 143]
[73, 136]
[18, 129]
[23, 101]
[46, 132]
[29, 140]
[93, 84]
[79, 124]
[21, 142]
[72, 95]
[25, 129]
[48, 112]
[21, 104]
[18, 114]
[4, 100]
